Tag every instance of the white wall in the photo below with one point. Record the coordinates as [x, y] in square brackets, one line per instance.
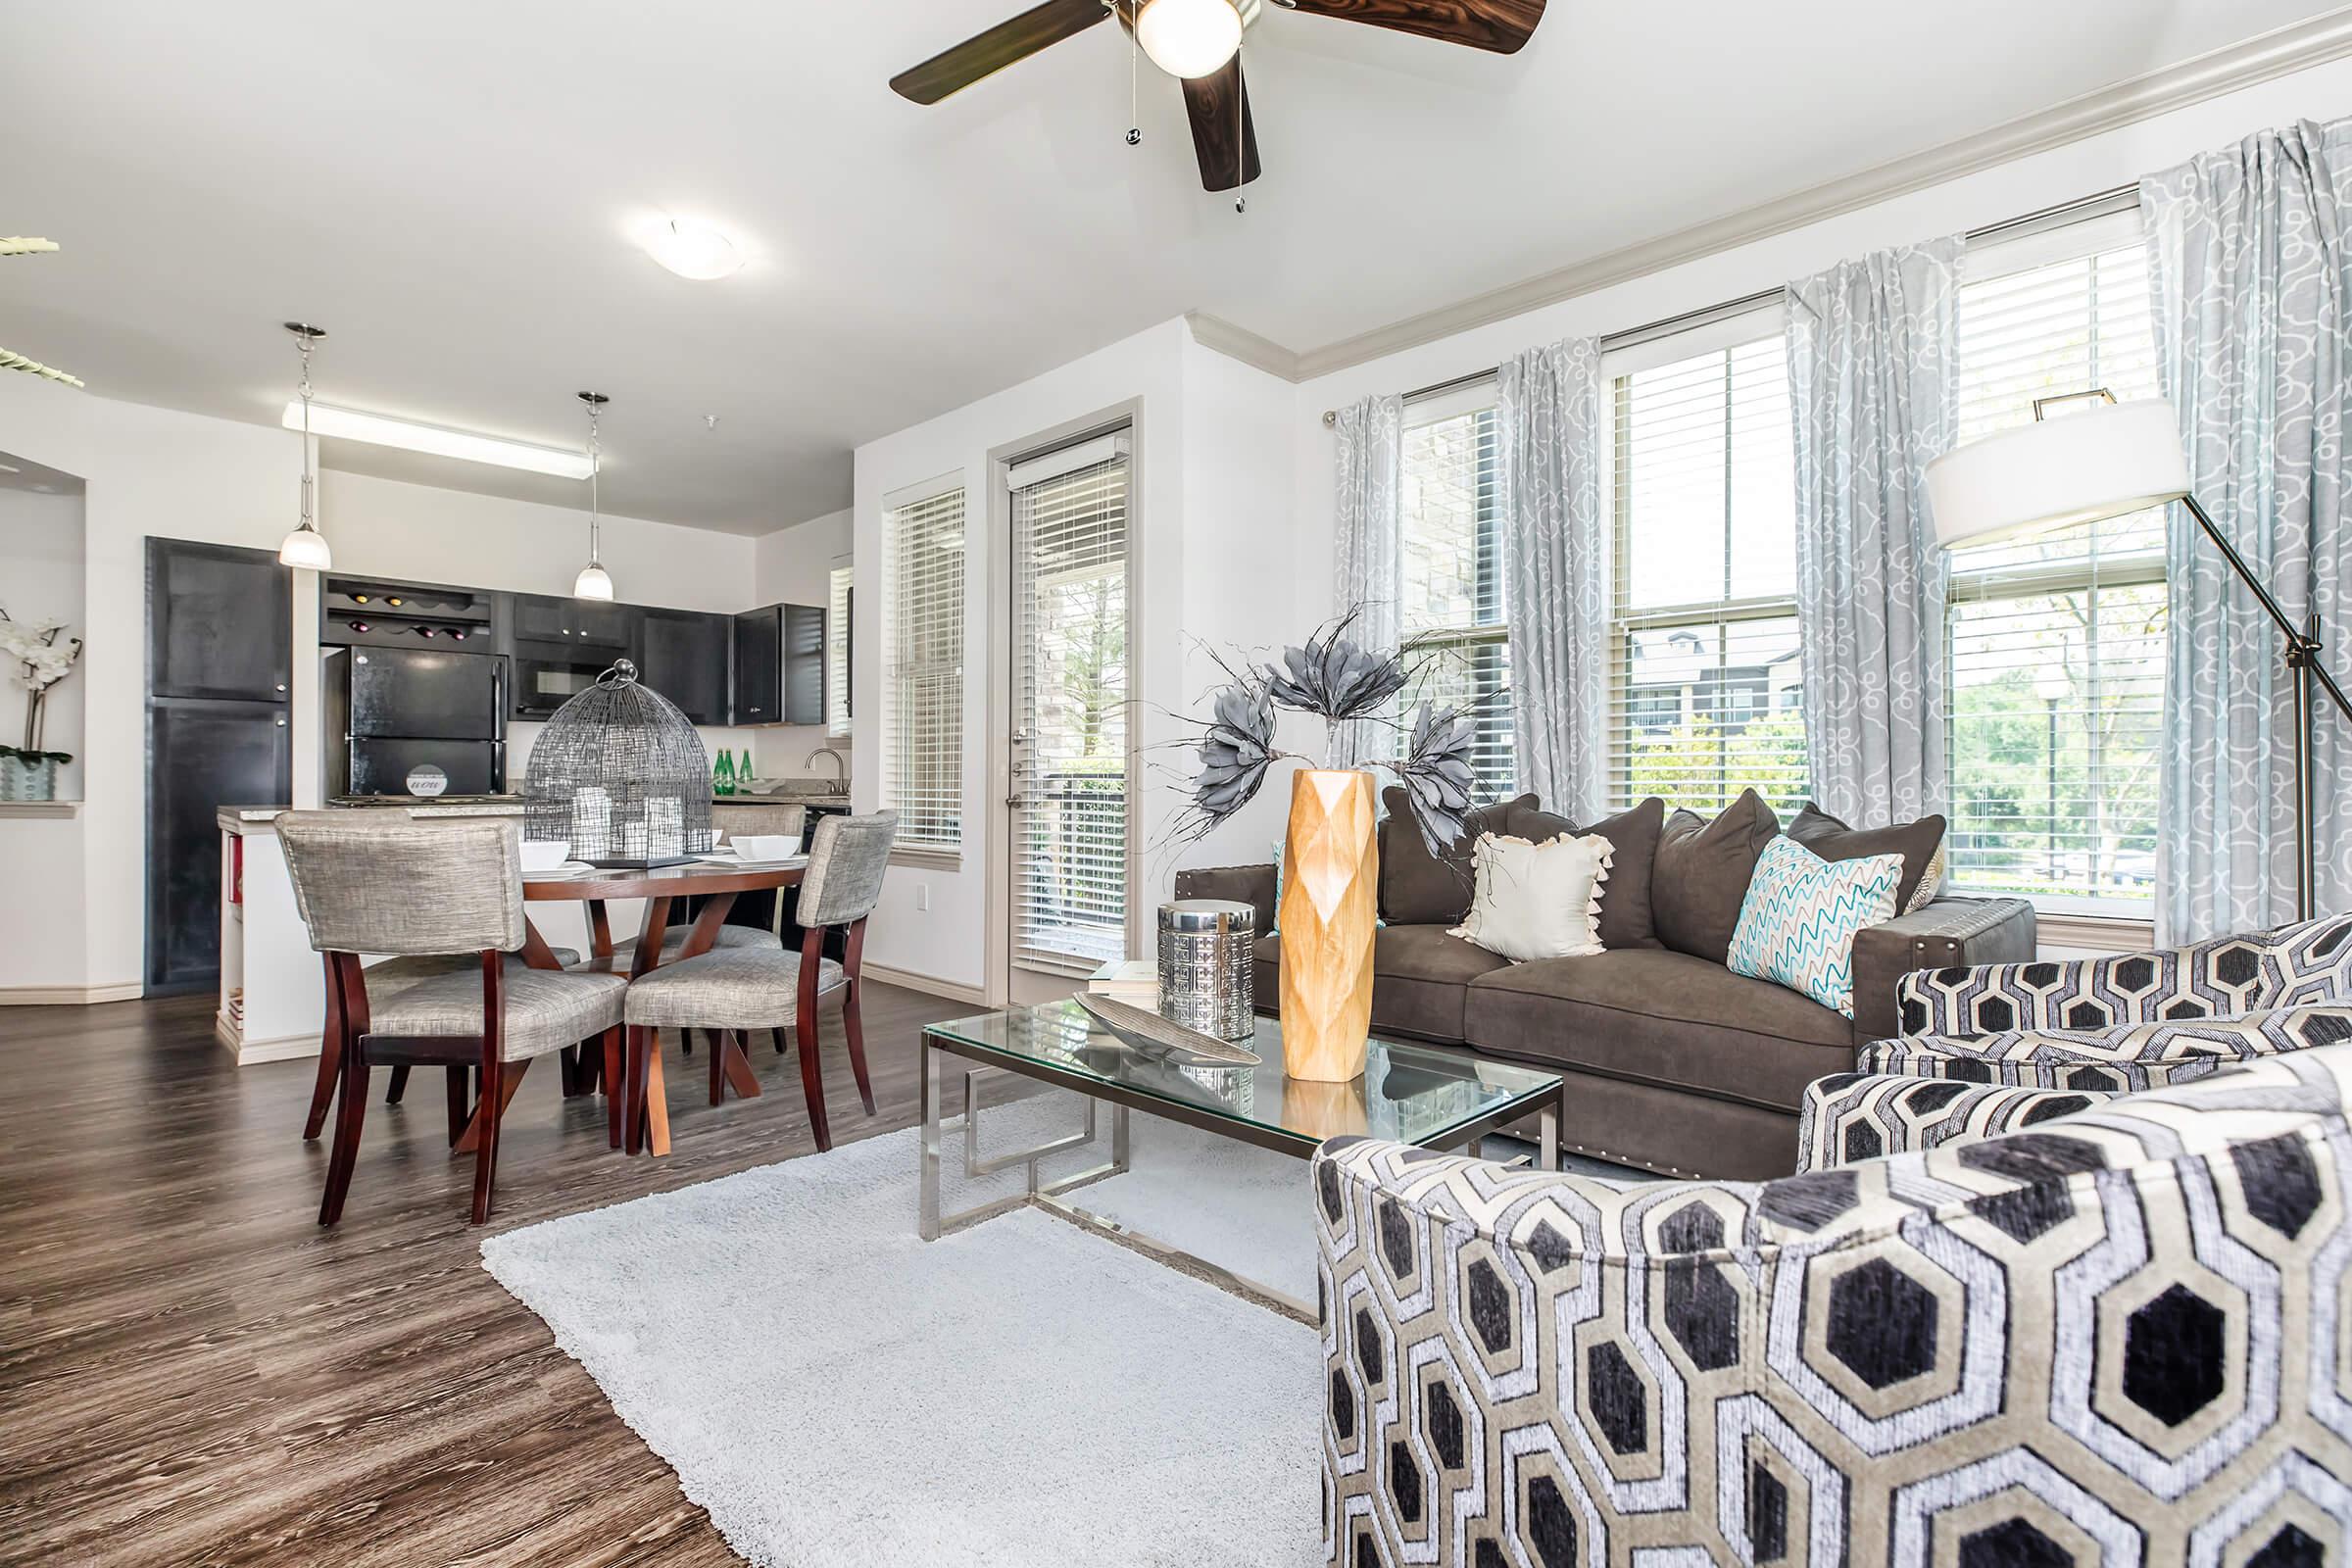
[154, 471]
[1213, 460]
[794, 567]
[41, 546]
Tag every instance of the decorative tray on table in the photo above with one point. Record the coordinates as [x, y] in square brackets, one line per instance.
[1154, 1035]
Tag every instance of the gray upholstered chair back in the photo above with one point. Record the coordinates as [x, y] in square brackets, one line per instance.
[778, 817]
[847, 856]
[369, 881]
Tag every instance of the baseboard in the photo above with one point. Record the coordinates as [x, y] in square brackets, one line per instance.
[70, 996]
[929, 986]
[286, 1047]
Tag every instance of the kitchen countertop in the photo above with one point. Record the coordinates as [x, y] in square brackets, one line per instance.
[259, 818]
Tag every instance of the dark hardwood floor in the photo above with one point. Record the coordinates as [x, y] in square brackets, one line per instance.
[193, 1372]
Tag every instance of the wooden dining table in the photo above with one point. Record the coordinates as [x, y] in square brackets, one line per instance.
[664, 890]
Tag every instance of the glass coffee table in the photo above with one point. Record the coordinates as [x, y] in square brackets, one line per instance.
[1412, 1094]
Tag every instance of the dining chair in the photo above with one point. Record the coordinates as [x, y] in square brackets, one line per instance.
[385, 977]
[742, 989]
[778, 819]
[439, 890]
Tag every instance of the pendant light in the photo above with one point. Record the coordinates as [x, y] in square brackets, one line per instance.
[593, 582]
[1189, 38]
[306, 547]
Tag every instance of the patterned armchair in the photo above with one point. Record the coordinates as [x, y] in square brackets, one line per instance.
[2112, 1338]
[2295, 964]
[2002, 1047]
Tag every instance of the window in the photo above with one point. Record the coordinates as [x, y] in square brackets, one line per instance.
[1707, 694]
[2057, 645]
[923, 705]
[1450, 548]
[837, 652]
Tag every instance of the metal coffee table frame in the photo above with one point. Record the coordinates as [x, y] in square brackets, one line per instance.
[1040, 1192]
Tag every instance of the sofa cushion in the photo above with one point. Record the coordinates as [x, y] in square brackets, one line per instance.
[1653, 1016]
[1418, 888]
[1626, 920]
[1702, 873]
[1919, 844]
[1419, 979]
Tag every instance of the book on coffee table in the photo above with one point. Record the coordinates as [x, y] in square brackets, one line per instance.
[1133, 981]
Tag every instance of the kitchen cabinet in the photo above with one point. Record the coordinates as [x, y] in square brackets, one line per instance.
[685, 655]
[543, 618]
[759, 667]
[780, 665]
[219, 622]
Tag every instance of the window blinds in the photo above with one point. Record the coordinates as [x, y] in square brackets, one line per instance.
[2057, 643]
[923, 771]
[1451, 564]
[1070, 758]
[1707, 689]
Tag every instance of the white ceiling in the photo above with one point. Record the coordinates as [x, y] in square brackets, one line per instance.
[445, 185]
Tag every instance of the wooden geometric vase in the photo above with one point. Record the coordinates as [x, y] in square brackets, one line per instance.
[1331, 871]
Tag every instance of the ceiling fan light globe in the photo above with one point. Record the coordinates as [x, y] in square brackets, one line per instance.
[593, 582]
[1189, 38]
[306, 548]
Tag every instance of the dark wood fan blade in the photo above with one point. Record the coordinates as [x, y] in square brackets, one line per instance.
[1006, 43]
[1218, 105]
[1502, 25]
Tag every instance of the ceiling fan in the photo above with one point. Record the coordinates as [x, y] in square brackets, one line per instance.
[1200, 42]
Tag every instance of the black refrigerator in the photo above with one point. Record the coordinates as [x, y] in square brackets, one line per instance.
[390, 710]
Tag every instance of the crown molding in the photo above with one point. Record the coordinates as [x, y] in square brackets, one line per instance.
[1216, 333]
[2244, 64]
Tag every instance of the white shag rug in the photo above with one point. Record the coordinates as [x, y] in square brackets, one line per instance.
[835, 1391]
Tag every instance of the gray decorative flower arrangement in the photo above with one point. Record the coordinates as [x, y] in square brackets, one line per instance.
[1338, 680]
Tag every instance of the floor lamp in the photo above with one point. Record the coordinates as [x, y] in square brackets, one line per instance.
[2104, 462]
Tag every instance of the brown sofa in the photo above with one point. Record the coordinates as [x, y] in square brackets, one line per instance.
[1673, 1064]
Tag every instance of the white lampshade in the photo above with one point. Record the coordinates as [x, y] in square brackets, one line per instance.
[593, 582]
[1189, 37]
[306, 548]
[2056, 474]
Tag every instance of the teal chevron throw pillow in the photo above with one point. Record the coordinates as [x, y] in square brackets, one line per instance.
[1797, 925]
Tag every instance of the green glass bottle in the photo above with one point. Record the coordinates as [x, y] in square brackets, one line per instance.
[722, 775]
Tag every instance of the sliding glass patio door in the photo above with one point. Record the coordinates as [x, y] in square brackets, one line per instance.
[1071, 767]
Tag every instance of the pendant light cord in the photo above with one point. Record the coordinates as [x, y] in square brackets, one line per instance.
[596, 464]
[304, 342]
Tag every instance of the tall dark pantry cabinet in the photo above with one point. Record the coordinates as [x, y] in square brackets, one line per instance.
[220, 702]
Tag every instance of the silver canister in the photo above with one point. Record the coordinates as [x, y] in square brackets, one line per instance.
[1205, 979]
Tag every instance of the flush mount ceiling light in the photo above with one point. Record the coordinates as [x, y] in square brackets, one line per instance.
[306, 547]
[1189, 38]
[690, 249]
[594, 582]
[383, 431]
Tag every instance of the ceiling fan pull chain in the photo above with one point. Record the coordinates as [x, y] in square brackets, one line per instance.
[1135, 101]
[1241, 148]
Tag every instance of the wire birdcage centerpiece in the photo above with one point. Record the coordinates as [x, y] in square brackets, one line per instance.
[621, 775]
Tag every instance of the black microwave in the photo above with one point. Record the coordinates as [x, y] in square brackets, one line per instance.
[546, 677]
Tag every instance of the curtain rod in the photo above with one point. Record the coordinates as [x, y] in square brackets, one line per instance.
[2114, 199]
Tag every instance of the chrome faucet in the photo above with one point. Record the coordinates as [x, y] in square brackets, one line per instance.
[841, 763]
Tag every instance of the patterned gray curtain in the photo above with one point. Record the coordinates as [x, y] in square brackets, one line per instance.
[1873, 394]
[1556, 563]
[1367, 571]
[2252, 272]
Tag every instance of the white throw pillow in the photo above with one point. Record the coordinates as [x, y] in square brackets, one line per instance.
[1537, 901]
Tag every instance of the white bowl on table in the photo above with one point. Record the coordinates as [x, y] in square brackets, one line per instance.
[765, 846]
[544, 855]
